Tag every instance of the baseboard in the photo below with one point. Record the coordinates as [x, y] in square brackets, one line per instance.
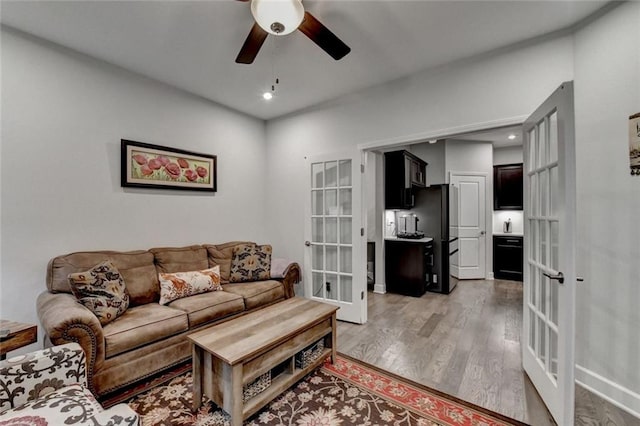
[490, 276]
[379, 288]
[617, 395]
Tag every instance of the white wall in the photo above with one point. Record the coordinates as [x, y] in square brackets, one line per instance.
[607, 92]
[496, 87]
[63, 115]
[434, 154]
[508, 155]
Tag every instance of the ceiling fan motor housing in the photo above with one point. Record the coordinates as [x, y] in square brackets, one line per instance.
[278, 17]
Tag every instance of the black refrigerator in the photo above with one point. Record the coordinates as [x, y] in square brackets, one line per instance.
[432, 208]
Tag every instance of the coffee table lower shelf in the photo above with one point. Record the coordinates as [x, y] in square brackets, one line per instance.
[281, 383]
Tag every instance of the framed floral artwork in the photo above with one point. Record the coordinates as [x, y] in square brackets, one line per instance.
[153, 166]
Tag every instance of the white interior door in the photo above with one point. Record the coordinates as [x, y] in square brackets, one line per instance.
[335, 269]
[471, 225]
[549, 274]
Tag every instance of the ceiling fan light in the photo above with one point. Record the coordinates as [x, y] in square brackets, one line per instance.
[278, 17]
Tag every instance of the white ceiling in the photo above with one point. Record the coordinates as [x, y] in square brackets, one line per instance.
[499, 137]
[193, 45]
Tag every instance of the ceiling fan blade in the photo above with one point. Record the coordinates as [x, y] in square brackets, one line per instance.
[252, 45]
[323, 37]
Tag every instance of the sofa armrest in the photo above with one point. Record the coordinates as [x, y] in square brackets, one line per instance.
[64, 321]
[28, 377]
[291, 275]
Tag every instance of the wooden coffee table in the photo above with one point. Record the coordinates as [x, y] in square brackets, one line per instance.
[230, 355]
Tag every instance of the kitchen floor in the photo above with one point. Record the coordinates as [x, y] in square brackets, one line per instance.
[466, 344]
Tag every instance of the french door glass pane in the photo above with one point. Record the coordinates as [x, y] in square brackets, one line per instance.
[533, 239]
[331, 231]
[532, 150]
[554, 235]
[332, 288]
[331, 202]
[553, 192]
[542, 144]
[553, 303]
[533, 271]
[345, 172]
[345, 259]
[345, 201]
[533, 199]
[553, 137]
[543, 186]
[532, 331]
[553, 354]
[331, 174]
[318, 284]
[316, 203]
[317, 229]
[317, 257]
[542, 339]
[317, 175]
[542, 232]
[331, 263]
[345, 230]
[346, 290]
[544, 283]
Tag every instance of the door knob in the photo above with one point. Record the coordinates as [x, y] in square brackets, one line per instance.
[482, 232]
[307, 243]
[559, 277]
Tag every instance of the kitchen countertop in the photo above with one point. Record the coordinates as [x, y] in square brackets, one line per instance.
[410, 240]
[510, 234]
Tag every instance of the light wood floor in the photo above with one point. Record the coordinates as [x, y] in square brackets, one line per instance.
[466, 344]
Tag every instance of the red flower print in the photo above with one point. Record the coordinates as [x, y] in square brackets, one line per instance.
[163, 160]
[190, 175]
[183, 163]
[202, 172]
[173, 170]
[154, 164]
[146, 171]
[140, 159]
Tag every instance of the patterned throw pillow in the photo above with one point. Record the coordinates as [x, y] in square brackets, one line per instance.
[250, 263]
[102, 290]
[182, 284]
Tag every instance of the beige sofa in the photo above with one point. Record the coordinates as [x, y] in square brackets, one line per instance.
[149, 337]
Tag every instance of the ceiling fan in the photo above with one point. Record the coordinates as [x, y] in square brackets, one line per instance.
[281, 17]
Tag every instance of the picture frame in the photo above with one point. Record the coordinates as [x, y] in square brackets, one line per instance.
[144, 165]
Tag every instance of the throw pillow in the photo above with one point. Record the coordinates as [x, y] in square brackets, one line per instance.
[250, 263]
[182, 284]
[102, 290]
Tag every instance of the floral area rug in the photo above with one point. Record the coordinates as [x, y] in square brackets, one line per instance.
[347, 393]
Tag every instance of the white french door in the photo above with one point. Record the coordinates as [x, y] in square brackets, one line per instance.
[549, 275]
[335, 271]
[470, 225]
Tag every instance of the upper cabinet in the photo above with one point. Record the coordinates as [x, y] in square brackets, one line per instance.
[403, 171]
[507, 187]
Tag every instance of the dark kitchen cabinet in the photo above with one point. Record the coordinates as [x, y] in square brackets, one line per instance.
[403, 172]
[507, 257]
[408, 266]
[507, 187]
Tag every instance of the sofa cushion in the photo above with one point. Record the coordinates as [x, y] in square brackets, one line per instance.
[177, 285]
[250, 263]
[180, 259]
[206, 307]
[102, 290]
[258, 293]
[137, 269]
[221, 254]
[142, 325]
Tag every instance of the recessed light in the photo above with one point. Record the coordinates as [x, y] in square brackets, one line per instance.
[433, 141]
[511, 137]
[267, 95]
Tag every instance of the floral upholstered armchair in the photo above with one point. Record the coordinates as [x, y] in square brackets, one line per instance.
[48, 387]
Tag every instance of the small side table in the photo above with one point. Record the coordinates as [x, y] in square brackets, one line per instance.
[20, 334]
